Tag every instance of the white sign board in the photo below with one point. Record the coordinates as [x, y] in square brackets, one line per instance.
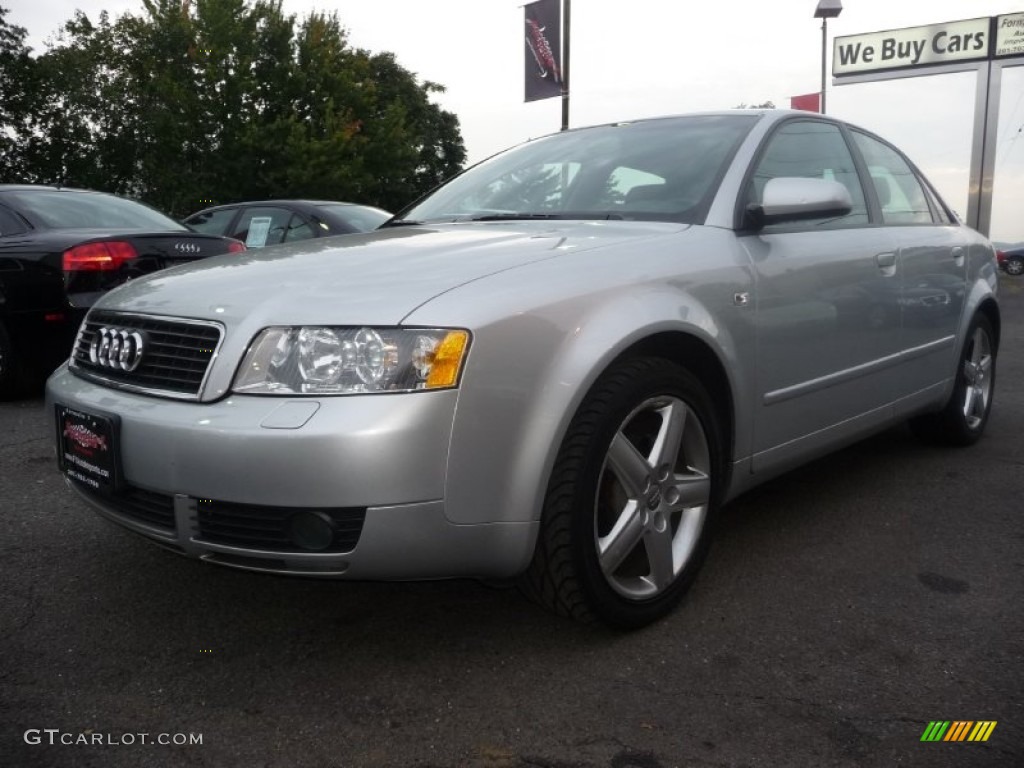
[911, 47]
[1010, 35]
[259, 228]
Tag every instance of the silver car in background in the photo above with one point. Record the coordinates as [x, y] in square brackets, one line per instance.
[556, 367]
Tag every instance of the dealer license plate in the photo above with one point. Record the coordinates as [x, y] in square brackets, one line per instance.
[87, 448]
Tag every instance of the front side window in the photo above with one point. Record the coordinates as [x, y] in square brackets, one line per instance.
[900, 193]
[810, 150]
[298, 230]
[660, 170]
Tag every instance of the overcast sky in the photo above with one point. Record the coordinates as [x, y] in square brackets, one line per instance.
[637, 58]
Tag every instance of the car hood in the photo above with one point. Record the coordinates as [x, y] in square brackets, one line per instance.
[371, 279]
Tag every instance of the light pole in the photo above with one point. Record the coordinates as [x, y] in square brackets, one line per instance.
[827, 9]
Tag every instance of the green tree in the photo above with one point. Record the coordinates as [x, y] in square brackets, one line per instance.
[83, 123]
[226, 100]
[17, 76]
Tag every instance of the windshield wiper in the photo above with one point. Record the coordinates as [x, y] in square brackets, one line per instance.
[400, 223]
[515, 216]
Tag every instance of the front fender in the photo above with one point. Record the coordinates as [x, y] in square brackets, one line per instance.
[529, 373]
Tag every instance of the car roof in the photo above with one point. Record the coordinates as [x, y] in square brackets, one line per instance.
[48, 188]
[281, 202]
[772, 114]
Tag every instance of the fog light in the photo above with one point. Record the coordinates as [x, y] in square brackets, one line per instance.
[311, 530]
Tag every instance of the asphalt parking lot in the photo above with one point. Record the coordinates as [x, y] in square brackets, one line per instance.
[843, 608]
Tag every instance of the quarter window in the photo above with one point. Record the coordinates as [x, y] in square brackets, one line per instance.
[810, 150]
[9, 224]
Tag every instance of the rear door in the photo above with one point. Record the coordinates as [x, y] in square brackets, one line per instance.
[828, 306]
[931, 250]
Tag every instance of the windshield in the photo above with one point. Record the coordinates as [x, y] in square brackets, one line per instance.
[363, 218]
[661, 170]
[87, 210]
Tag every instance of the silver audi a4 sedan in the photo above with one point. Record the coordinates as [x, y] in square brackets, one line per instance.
[554, 368]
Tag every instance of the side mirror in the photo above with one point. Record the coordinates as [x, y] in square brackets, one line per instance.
[798, 199]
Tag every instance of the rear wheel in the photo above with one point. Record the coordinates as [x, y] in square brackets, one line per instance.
[628, 511]
[965, 415]
[1015, 265]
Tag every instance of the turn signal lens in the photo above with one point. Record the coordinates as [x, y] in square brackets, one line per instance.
[104, 256]
[444, 370]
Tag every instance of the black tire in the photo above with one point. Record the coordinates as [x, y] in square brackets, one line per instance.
[14, 380]
[1014, 266]
[962, 421]
[595, 500]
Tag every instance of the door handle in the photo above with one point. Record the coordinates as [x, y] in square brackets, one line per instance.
[958, 255]
[886, 263]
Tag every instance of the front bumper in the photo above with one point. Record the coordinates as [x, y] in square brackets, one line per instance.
[222, 481]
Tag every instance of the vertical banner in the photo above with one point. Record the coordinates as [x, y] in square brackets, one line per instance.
[543, 49]
[808, 102]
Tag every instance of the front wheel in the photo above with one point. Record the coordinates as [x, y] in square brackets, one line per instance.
[628, 511]
[962, 421]
[1015, 266]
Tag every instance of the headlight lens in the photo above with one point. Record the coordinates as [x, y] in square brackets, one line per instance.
[314, 360]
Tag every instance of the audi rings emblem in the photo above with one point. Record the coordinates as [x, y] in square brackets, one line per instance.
[187, 247]
[117, 348]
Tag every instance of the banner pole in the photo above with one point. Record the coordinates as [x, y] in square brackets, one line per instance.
[566, 9]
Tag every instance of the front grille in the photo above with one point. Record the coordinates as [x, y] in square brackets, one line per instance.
[255, 526]
[174, 360]
[144, 506]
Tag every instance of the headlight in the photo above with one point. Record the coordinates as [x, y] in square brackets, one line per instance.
[341, 361]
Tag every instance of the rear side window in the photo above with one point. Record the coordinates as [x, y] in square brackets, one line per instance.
[900, 193]
[810, 150]
[212, 222]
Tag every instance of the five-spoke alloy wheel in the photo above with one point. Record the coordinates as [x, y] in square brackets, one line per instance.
[629, 506]
[963, 419]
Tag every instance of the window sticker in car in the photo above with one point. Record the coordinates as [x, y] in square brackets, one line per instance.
[258, 229]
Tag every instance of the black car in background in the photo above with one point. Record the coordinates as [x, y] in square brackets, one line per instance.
[1011, 260]
[60, 250]
[270, 222]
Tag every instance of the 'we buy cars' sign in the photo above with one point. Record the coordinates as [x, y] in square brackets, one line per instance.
[948, 43]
